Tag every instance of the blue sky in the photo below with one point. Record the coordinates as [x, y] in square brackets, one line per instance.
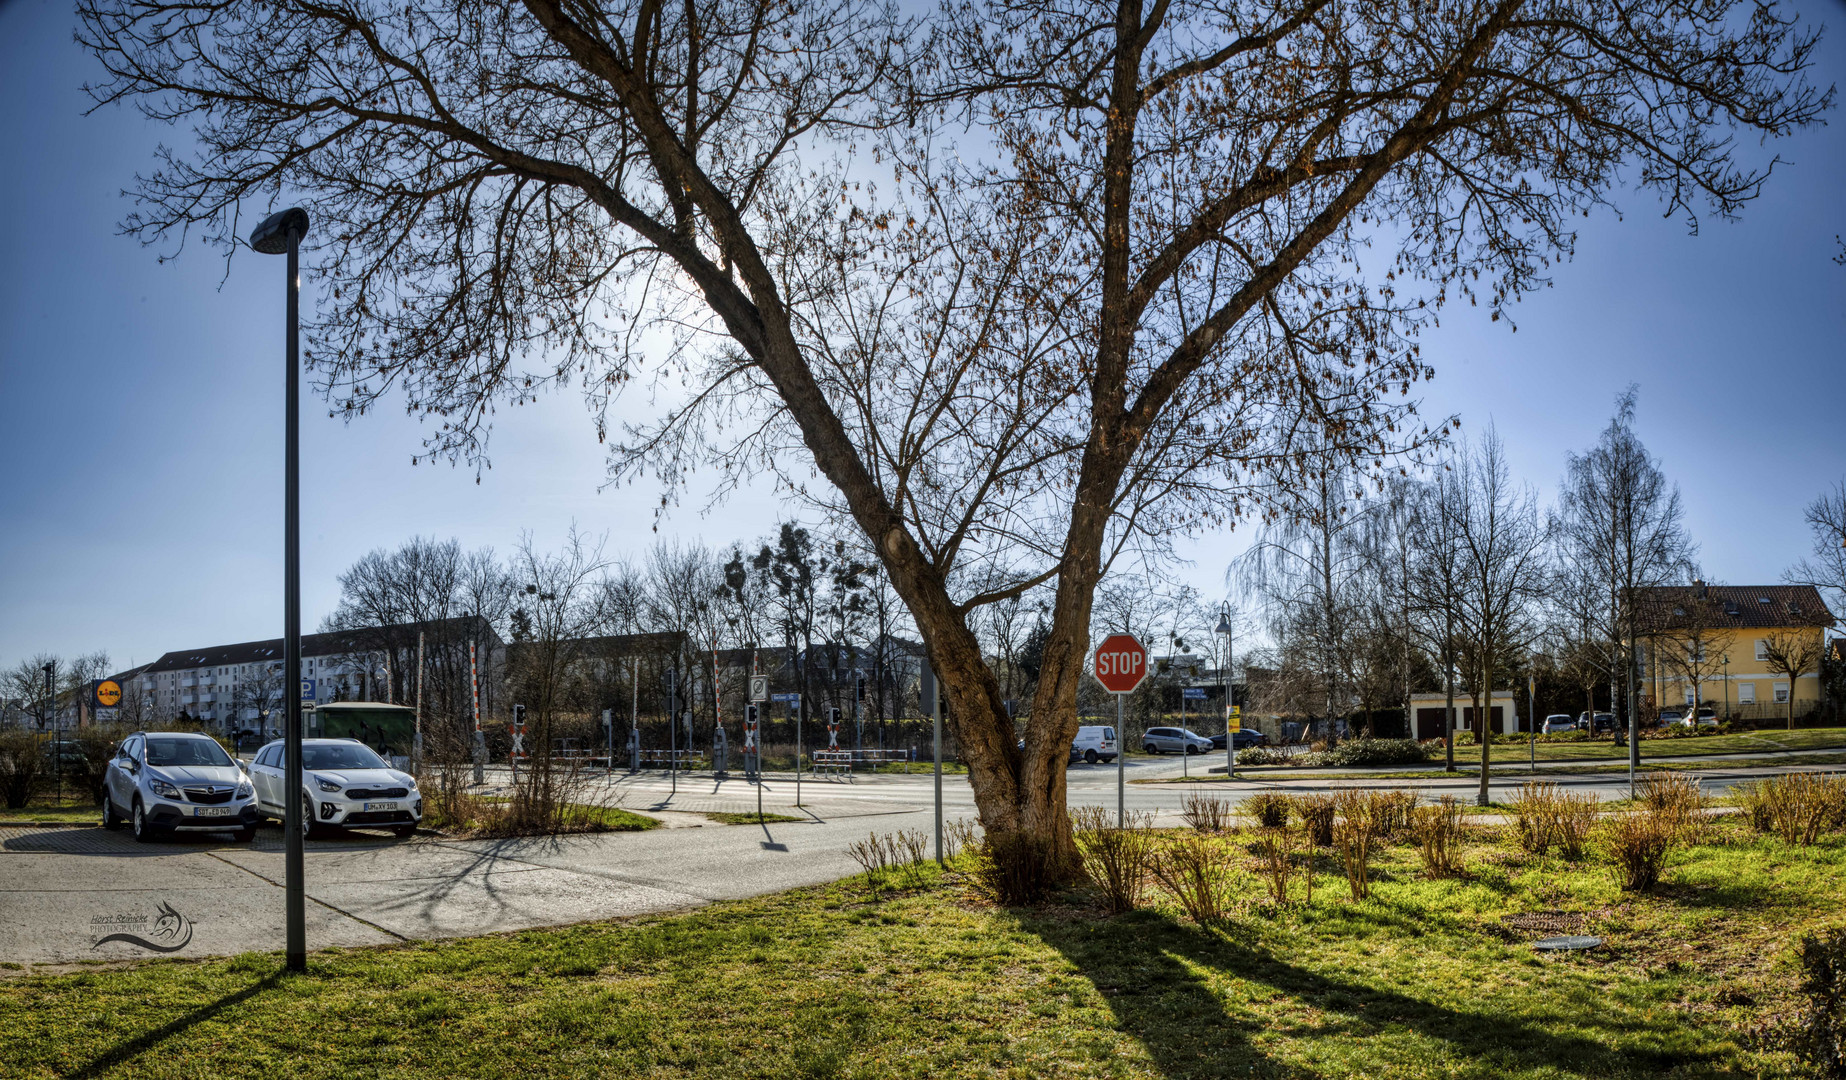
[139, 402]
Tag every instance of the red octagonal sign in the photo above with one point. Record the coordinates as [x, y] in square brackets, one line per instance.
[1121, 663]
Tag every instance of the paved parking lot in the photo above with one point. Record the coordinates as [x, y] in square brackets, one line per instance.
[77, 893]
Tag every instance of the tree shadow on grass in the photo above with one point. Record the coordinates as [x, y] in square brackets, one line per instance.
[131, 1048]
[1146, 964]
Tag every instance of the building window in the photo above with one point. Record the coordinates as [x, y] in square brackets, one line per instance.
[1781, 693]
[1762, 649]
[1746, 693]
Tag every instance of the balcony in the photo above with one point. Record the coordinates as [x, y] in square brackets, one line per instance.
[188, 681]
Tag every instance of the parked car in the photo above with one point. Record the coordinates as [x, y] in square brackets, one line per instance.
[1707, 717]
[1093, 743]
[168, 780]
[1557, 724]
[1669, 716]
[1596, 724]
[345, 785]
[1246, 738]
[1159, 740]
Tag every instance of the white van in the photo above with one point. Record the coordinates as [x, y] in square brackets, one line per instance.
[1093, 744]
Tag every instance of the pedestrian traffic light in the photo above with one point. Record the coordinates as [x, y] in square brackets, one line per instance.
[858, 687]
[519, 716]
[833, 714]
[750, 713]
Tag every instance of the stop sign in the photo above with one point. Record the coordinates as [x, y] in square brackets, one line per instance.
[1121, 663]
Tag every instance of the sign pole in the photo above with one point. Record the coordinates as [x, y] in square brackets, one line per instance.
[799, 705]
[1121, 768]
[1120, 665]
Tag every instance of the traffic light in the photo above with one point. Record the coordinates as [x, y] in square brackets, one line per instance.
[519, 716]
[750, 713]
[833, 715]
[858, 687]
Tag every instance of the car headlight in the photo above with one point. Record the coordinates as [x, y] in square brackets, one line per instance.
[244, 790]
[164, 789]
[326, 784]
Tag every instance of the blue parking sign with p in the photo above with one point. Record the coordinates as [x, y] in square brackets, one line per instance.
[307, 689]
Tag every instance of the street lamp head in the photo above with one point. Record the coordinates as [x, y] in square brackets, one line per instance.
[1224, 623]
[271, 237]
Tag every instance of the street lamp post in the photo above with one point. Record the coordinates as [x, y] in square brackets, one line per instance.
[1230, 647]
[281, 234]
[57, 726]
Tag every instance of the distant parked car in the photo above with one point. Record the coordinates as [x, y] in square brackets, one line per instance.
[345, 785]
[1159, 740]
[1557, 724]
[1094, 742]
[1669, 717]
[1598, 724]
[1246, 738]
[1707, 717]
[167, 780]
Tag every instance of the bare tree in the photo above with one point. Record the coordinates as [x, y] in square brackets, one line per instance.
[1103, 323]
[1621, 529]
[1502, 541]
[1792, 652]
[1825, 569]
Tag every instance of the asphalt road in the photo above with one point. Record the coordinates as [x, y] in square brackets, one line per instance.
[79, 893]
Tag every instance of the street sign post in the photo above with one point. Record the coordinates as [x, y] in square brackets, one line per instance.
[1120, 665]
[1233, 723]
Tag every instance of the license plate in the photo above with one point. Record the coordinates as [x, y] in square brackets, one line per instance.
[381, 806]
[211, 811]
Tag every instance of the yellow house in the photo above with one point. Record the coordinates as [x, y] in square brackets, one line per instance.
[1718, 645]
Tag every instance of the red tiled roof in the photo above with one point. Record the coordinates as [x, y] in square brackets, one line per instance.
[1731, 607]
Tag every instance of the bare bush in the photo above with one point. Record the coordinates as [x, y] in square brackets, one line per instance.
[1437, 830]
[1269, 809]
[1575, 818]
[1206, 813]
[1676, 799]
[1535, 815]
[1391, 812]
[1117, 860]
[1016, 868]
[20, 765]
[1316, 814]
[1797, 807]
[1638, 845]
[1196, 871]
[1275, 854]
[960, 835]
[1353, 833]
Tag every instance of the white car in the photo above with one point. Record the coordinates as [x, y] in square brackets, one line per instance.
[1557, 724]
[345, 785]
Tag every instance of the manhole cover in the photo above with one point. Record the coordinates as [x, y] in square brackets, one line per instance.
[1567, 943]
[1545, 922]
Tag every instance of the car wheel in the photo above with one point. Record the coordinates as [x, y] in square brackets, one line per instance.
[403, 832]
[244, 836]
[310, 829]
[1150, 748]
[144, 833]
[111, 820]
[1191, 750]
[1089, 757]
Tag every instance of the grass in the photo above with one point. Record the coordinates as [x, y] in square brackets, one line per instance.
[51, 813]
[724, 817]
[1500, 768]
[580, 818]
[930, 981]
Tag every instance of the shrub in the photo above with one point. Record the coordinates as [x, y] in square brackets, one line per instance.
[98, 744]
[1367, 752]
[1117, 860]
[1437, 830]
[1535, 815]
[1797, 807]
[1391, 811]
[20, 764]
[1820, 1042]
[1638, 844]
[1195, 871]
[960, 835]
[1206, 813]
[1264, 755]
[1677, 799]
[1316, 815]
[1353, 833]
[1268, 809]
[1275, 854]
[1575, 817]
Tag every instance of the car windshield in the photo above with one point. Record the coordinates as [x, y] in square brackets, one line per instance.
[178, 750]
[340, 756]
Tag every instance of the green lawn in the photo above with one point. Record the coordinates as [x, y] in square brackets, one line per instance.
[928, 980]
[1767, 741]
[51, 813]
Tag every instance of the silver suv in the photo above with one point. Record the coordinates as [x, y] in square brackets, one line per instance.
[345, 785]
[162, 781]
[1159, 740]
